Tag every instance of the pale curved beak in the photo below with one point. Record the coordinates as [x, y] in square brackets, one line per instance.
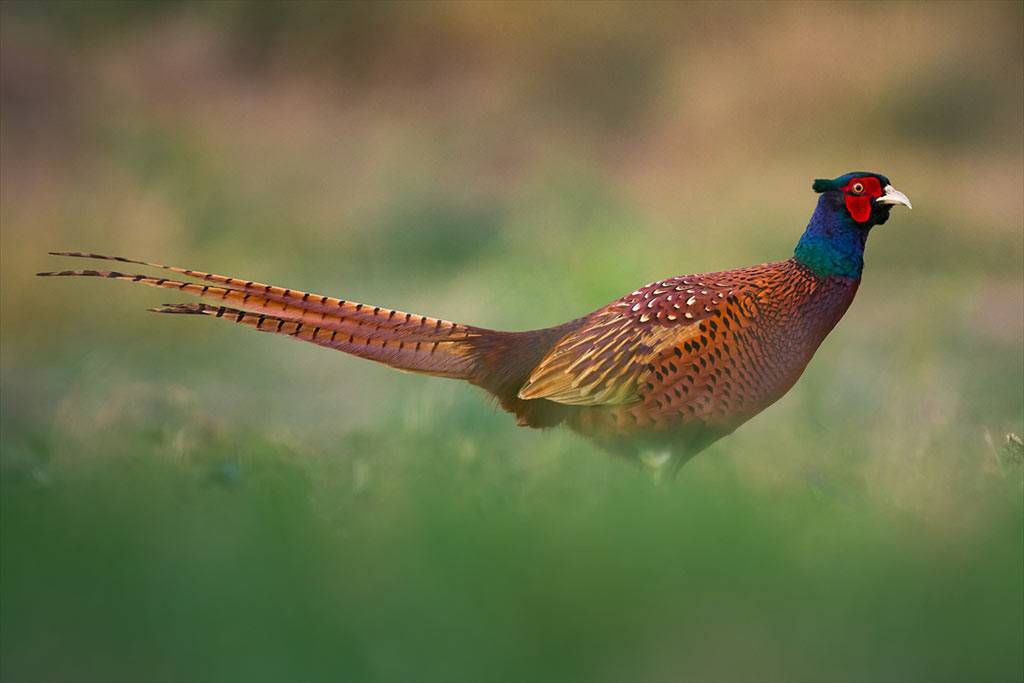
[894, 196]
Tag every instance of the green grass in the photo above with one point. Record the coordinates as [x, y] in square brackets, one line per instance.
[434, 554]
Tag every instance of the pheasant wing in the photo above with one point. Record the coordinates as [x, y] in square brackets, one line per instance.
[609, 359]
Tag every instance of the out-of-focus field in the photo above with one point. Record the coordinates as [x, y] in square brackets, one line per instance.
[184, 500]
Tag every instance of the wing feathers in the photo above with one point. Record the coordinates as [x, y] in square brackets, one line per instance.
[602, 363]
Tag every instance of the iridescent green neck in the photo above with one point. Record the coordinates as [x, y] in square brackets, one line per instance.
[832, 244]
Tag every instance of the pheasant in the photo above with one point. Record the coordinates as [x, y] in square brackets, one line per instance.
[670, 367]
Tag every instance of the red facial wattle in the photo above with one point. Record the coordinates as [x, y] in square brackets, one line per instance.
[859, 203]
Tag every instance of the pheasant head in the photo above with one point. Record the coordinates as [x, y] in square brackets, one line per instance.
[848, 208]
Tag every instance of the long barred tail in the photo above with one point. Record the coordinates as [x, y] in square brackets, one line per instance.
[402, 340]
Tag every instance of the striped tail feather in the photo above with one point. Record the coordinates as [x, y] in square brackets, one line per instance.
[433, 358]
[290, 298]
[405, 341]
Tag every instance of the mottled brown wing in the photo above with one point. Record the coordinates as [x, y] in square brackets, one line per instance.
[607, 361]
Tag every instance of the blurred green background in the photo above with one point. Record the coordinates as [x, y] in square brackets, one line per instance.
[187, 501]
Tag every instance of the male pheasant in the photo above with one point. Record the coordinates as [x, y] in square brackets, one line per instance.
[671, 367]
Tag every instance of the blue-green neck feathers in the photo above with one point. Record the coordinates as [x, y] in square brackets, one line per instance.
[832, 244]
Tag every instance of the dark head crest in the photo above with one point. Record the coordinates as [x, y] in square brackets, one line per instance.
[825, 185]
[828, 185]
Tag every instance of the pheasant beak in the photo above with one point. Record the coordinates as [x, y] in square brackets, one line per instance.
[894, 196]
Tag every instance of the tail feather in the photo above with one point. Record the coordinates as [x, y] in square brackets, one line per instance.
[402, 340]
[437, 357]
[289, 298]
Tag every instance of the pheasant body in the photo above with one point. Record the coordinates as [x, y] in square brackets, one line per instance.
[672, 366]
[751, 333]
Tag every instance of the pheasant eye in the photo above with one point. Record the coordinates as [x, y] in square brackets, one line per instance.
[857, 188]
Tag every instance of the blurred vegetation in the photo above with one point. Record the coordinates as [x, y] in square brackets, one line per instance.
[182, 500]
